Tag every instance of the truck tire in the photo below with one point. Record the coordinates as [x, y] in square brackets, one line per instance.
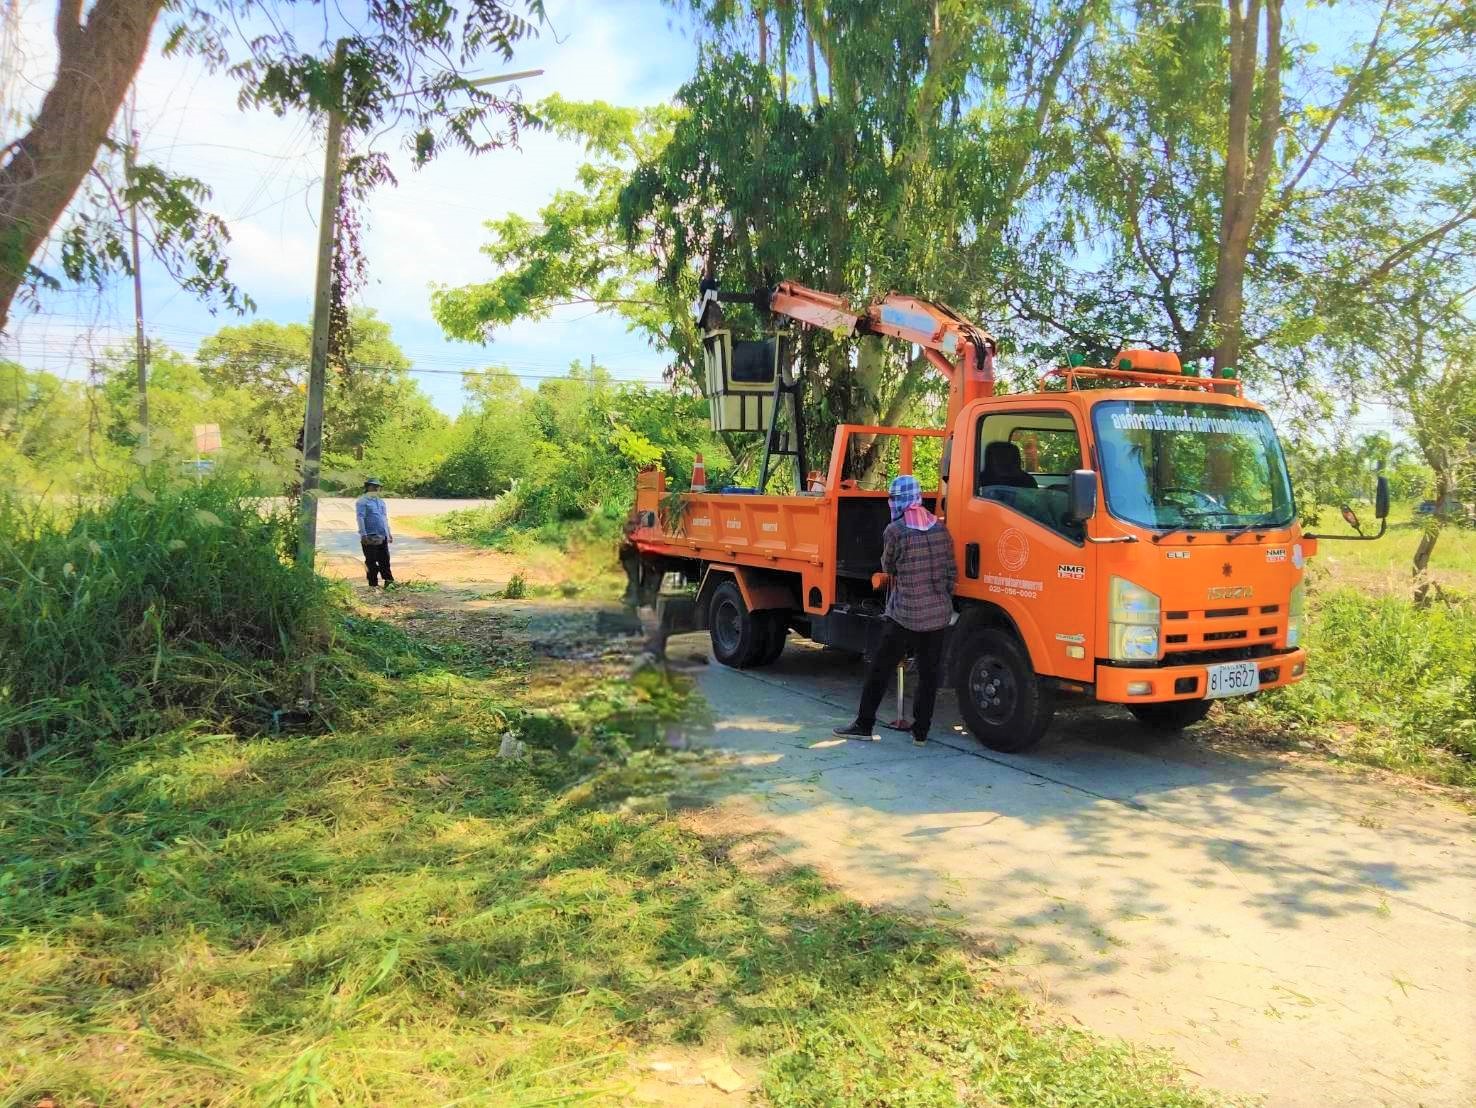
[739, 637]
[776, 632]
[1170, 716]
[1006, 706]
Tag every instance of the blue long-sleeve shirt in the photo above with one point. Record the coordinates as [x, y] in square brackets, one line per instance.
[373, 516]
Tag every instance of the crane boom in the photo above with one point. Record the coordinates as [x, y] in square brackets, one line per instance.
[961, 351]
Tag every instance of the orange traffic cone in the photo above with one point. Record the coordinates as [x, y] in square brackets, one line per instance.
[699, 474]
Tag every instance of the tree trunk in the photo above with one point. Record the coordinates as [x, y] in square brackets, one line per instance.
[1420, 568]
[42, 170]
[814, 72]
[1247, 164]
[783, 65]
[762, 12]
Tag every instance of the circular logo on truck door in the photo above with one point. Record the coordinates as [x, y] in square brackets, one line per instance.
[1013, 550]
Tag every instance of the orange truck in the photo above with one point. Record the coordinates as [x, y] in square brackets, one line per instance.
[1125, 533]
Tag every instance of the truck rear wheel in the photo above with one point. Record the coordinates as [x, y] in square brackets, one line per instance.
[739, 637]
[1006, 706]
[1170, 716]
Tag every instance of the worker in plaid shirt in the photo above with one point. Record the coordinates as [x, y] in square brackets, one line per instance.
[917, 563]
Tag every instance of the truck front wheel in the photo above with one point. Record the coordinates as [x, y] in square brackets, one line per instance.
[739, 637]
[1171, 715]
[1006, 706]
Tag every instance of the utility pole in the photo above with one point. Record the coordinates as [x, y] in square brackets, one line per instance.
[312, 429]
[140, 344]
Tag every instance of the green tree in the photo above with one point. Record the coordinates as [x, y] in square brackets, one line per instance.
[45, 427]
[573, 253]
[903, 172]
[1232, 176]
[410, 443]
[179, 398]
[493, 444]
[261, 368]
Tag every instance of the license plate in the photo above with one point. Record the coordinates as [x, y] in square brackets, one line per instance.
[1234, 679]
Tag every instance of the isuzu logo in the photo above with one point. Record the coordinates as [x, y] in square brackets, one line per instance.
[1231, 592]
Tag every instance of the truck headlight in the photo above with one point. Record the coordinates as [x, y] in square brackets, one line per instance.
[1294, 612]
[1132, 622]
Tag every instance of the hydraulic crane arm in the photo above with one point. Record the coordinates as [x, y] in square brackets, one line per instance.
[961, 351]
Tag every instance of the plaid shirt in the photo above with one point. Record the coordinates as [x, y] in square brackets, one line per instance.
[923, 575]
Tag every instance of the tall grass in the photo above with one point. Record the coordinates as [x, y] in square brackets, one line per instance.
[1404, 676]
[162, 605]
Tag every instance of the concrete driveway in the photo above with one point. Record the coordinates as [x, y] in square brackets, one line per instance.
[1289, 932]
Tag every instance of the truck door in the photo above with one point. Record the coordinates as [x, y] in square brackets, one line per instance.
[1016, 544]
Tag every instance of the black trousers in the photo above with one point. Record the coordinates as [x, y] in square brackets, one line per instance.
[376, 562]
[896, 643]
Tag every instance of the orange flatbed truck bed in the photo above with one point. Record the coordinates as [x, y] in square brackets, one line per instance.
[1129, 536]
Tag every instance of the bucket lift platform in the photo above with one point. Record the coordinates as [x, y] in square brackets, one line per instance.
[750, 384]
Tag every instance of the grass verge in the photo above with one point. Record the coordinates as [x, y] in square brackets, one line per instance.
[391, 913]
[1388, 684]
[166, 604]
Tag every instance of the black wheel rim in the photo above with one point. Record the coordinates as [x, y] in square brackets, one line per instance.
[726, 629]
[994, 690]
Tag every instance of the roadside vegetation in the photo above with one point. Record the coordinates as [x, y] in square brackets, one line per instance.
[1391, 679]
[378, 907]
[165, 604]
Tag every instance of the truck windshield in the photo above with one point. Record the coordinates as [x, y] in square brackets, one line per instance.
[1194, 466]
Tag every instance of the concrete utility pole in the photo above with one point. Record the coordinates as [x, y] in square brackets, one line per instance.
[140, 344]
[312, 428]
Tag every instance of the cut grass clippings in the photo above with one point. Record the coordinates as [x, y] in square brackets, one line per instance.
[393, 914]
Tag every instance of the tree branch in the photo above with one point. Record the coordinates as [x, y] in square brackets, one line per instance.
[1355, 84]
[1413, 247]
[68, 24]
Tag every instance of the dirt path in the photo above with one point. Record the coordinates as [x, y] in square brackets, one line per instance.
[416, 554]
[1290, 933]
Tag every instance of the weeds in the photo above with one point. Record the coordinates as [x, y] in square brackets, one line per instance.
[165, 605]
[1405, 676]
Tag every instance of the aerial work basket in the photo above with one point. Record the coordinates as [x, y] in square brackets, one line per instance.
[740, 377]
[751, 383]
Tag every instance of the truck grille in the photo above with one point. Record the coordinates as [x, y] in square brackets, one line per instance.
[1221, 634]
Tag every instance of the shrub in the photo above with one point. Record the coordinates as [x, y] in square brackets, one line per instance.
[168, 600]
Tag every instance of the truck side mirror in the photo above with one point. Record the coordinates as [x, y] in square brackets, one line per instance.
[945, 463]
[1081, 495]
[1381, 498]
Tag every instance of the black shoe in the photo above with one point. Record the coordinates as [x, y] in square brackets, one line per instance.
[853, 731]
[919, 740]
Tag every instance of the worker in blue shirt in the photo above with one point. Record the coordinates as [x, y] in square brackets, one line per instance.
[374, 533]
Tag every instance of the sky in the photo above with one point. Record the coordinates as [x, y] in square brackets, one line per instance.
[266, 175]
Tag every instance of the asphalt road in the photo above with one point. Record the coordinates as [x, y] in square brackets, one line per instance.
[1286, 930]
